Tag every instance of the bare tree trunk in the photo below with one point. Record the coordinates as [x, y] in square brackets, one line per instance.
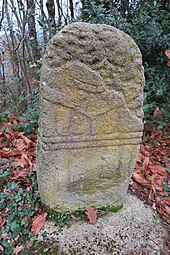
[2, 13]
[14, 11]
[44, 18]
[19, 46]
[2, 71]
[14, 58]
[51, 14]
[71, 9]
[2, 78]
[63, 15]
[59, 13]
[32, 29]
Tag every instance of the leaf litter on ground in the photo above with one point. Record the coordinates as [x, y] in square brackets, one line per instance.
[151, 176]
[20, 202]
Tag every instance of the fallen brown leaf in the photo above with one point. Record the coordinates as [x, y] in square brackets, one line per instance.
[167, 201]
[4, 235]
[73, 217]
[165, 140]
[2, 222]
[156, 111]
[38, 223]
[17, 174]
[17, 249]
[146, 161]
[158, 169]
[167, 53]
[20, 144]
[5, 152]
[91, 214]
[140, 179]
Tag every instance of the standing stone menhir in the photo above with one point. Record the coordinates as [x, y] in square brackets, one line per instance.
[90, 122]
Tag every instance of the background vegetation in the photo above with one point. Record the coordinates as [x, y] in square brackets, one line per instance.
[147, 23]
[26, 27]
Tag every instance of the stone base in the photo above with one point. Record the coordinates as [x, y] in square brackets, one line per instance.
[133, 230]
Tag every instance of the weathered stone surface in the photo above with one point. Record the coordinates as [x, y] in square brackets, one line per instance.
[134, 230]
[90, 116]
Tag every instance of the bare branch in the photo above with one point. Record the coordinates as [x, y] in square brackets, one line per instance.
[2, 15]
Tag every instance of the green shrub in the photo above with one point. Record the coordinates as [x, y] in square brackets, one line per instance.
[28, 116]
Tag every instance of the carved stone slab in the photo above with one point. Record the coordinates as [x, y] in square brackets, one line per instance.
[90, 122]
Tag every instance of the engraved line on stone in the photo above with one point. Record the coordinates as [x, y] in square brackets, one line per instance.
[72, 139]
[89, 146]
[76, 147]
[57, 102]
[86, 141]
[100, 140]
[127, 133]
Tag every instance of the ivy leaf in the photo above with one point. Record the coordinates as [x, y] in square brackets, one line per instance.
[91, 214]
[15, 229]
[165, 185]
